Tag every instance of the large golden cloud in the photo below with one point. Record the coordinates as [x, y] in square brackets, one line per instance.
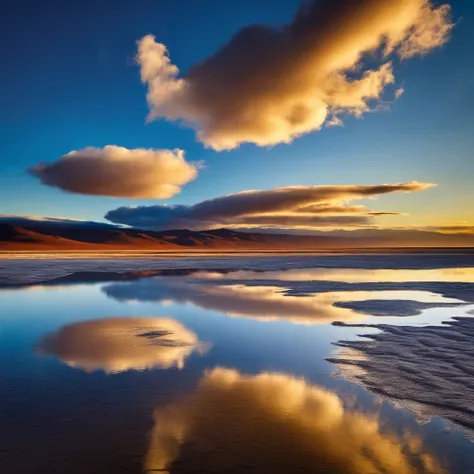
[119, 172]
[119, 344]
[269, 85]
[278, 424]
[303, 207]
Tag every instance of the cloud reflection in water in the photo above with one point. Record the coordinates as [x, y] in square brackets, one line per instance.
[276, 423]
[265, 303]
[120, 344]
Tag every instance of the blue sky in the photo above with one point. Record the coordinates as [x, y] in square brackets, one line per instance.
[70, 81]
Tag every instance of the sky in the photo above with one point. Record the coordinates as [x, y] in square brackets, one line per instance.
[76, 75]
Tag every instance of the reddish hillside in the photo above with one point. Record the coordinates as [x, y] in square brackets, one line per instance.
[15, 238]
[69, 238]
[38, 235]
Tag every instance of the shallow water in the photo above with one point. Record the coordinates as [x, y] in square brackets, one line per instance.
[226, 371]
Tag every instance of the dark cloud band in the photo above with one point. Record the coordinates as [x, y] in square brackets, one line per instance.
[289, 207]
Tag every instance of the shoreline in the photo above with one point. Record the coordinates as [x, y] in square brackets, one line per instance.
[97, 254]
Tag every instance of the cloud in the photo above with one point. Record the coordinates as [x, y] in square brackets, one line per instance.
[399, 92]
[118, 344]
[40, 221]
[269, 85]
[276, 423]
[446, 228]
[453, 229]
[334, 121]
[308, 207]
[119, 172]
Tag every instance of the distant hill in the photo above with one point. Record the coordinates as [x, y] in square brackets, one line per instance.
[37, 235]
[14, 237]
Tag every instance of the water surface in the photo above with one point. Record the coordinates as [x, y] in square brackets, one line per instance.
[231, 366]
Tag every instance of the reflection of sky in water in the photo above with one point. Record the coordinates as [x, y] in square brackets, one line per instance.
[351, 275]
[101, 416]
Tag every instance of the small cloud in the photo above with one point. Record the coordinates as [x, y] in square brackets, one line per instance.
[334, 121]
[399, 92]
[119, 172]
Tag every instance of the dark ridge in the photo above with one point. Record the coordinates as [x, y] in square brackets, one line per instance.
[29, 234]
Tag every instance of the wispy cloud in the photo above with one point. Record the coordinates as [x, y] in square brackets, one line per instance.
[308, 207]
[41, 221]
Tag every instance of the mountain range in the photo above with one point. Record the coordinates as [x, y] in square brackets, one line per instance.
[44, 235]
